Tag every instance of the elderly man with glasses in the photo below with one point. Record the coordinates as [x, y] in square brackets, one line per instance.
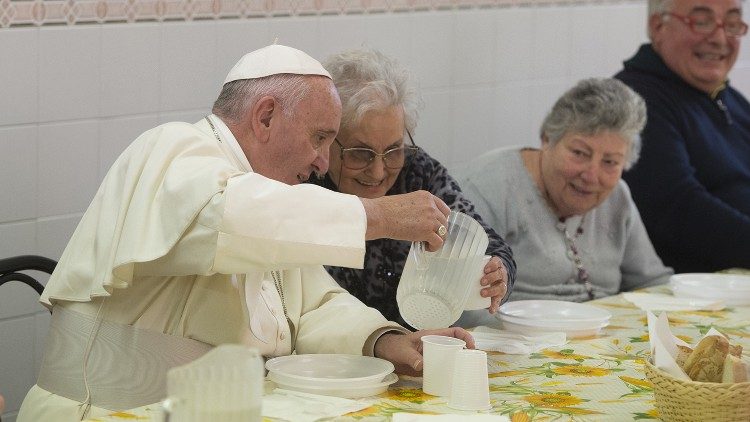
[374, 155]
[692, 183]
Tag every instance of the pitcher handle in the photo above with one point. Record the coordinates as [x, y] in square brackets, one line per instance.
[419, 260]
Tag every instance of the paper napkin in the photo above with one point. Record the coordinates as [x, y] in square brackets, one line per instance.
[303, 407]
[661, 302]
[492, 340]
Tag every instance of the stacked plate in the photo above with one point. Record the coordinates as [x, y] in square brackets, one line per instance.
[546, 316]
[347, 376]
[732, 289]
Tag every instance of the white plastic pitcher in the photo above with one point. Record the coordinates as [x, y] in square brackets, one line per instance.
[225, 384]
[434, 286]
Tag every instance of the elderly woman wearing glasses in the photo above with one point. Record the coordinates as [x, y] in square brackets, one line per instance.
[574, 229]
[375, 155]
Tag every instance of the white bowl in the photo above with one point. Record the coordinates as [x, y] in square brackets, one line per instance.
[569, 332]
[365, 390]
[733, 289]
[328, 370]
[554, 311]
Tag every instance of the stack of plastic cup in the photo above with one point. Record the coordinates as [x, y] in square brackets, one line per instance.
[439, 354]
[470, 385]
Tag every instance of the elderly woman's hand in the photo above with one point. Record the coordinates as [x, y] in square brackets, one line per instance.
[405, 350]
[496, 279]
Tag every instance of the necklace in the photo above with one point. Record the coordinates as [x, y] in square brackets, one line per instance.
[216, 132]
[277, 282]
[581, 275]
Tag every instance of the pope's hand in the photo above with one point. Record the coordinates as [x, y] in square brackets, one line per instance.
[405, 350]
[495, 282]
[417, 216]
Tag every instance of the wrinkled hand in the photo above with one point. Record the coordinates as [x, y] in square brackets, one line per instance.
[414, 216]
[405, 350]
[496, 279]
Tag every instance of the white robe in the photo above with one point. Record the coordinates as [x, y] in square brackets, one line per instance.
[181, 230]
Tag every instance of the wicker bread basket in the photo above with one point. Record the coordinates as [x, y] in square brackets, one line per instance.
[678, 400]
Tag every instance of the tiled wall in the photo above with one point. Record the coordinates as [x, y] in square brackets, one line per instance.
[72, 96]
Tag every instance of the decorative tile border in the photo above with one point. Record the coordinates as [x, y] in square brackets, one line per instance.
[74, 12]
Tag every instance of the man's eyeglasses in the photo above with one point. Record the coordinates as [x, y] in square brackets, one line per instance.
[395, 158]
[705, 23]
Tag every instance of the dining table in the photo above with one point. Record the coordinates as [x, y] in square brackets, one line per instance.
[596, 378]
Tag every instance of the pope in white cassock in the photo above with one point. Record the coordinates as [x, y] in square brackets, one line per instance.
[201, 234]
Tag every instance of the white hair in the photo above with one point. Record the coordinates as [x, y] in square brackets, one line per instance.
[369, 80]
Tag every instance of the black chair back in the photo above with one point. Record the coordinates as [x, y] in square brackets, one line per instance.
[10, 269]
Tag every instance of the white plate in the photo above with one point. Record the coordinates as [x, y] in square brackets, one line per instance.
[328, 370]
[554, 311]
[365, 390]
[733, 289]
[569, 333]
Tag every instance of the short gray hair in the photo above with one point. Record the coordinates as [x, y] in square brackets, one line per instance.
[368, 80]
[595, 106]
[238, 97]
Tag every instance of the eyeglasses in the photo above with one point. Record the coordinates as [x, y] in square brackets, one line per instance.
[394, 159]
[705, 23]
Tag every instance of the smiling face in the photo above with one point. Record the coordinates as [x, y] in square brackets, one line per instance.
[580, 171]
[701, 60]
[379, 130]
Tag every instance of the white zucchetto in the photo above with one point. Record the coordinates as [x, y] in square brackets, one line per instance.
[274, 60]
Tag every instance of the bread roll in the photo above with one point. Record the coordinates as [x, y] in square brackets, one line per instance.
[735, 370]
[706, 362]
[682, 354]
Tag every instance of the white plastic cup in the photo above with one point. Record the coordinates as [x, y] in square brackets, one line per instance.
[438, 353]
[470, 386]
[475, 300]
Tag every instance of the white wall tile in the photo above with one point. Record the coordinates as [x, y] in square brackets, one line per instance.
[69, 72]
[432, 49]
[391, 34]
[189, 76]
[339, 33]
[18, 164]
[19, 70]
[68, 171]
[551, 48]
[18, 299]
[587, 52]
[542, 98]
[190, 116]
[511, 122]
[472, 111]
[53, 234]
[301, 33]
[117, 134]
[435, 127]
[475, 34]
[513, 55]
[17, 364]
[130, 69]
[626, 31]
[17, 238]
[235, 38]
[740, 79]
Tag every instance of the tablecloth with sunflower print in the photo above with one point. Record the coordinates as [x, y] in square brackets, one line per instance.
[589, 379]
